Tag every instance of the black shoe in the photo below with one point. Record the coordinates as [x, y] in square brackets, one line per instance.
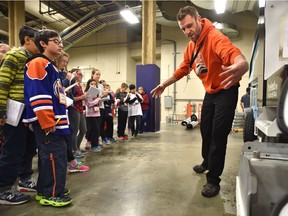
[199, 169]
[210, 190]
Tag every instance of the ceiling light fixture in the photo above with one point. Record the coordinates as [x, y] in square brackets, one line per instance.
[220, 6]
[129, 16]
[261, 3]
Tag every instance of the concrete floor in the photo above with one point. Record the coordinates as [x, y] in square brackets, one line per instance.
[150, 176]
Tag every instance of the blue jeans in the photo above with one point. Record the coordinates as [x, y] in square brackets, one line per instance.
[18, 151]
[52, 162]
[144, 119]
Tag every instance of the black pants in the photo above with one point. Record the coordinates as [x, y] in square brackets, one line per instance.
[102, 124]
[109, 127]
[216, 120]
[122, 121]
[70, 156]
[132, 120]
[93, 130]
[18, 151]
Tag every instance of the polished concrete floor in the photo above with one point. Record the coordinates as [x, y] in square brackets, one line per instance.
[149, 176]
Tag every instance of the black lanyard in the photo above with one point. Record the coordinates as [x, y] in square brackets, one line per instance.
[193, 57]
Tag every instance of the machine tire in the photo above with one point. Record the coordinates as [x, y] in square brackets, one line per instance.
[279, 206]
[248, 131]
[194, 117]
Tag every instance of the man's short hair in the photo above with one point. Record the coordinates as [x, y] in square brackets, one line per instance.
[187, 10]
[26, 31]
[44, 35]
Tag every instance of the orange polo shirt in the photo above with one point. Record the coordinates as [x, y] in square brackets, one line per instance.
[217, 50]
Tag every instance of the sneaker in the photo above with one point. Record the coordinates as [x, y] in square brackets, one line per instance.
[125, 137]
[40, 196]
[96, 149]
[83, 152]
[210, 190]
[29, 185]
[77, 169]
[56, 201]
[79, 161]
[112, 140]
[121, 138]
[107, 141]
[200, 168]
[13, 197]
[88, 146]
[78, 154]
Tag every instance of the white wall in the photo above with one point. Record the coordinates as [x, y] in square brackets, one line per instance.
[122, 57]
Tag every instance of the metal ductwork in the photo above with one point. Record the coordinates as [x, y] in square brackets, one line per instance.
[90, 24]
[227, 29]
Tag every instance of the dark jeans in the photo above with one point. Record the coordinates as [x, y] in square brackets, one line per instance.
[122, 121]
[68, 138]
[18, 151]
[109, 127]
[52, 162]
[144, 119]
[217, 115]
[102, 124]
[132, 120]
[93, 130]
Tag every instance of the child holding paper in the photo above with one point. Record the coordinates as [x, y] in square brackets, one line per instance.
[93, 116]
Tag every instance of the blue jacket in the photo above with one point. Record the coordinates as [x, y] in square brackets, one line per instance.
[41, 94]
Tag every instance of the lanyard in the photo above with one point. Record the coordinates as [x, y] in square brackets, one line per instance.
[193, 57]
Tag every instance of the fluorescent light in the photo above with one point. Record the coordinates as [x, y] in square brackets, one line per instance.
[129, 16]
[261, 3]
[220, 6]
[261, 20]
[218, 26]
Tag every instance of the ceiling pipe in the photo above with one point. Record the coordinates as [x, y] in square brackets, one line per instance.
[4, 33]
[77, 24]
[56, 23]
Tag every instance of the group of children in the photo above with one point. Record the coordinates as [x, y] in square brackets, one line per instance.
[60, 113]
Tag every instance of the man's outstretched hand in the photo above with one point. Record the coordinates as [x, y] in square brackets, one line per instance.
[156, 92]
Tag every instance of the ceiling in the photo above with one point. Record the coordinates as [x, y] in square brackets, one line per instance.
[77, 19]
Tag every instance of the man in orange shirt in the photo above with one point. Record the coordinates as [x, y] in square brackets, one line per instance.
[220, 66]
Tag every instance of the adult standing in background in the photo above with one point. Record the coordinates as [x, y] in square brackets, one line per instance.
[245, 101]
[220, 66]
[145, 107]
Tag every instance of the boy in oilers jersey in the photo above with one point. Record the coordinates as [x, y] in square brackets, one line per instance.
[46, 110]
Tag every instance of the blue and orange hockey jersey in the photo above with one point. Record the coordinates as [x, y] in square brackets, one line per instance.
[41, 93]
